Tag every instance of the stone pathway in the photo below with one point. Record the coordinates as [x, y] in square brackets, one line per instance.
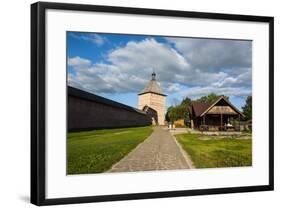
[158, 152]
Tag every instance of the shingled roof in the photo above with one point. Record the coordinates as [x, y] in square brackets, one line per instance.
[152, 87]
[74, 92]
[199, 107]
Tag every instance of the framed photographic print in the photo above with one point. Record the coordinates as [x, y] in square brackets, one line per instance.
[134, 103]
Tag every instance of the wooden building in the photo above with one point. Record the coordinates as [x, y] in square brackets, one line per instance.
[220, 115]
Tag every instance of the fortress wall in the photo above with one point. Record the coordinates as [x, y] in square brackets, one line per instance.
[89, 111]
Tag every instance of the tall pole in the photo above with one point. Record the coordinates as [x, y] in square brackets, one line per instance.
[239, 121]
[204, 120]
[221, 121]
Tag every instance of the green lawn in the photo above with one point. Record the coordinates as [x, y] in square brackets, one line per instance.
[96, 151]
[213, 151]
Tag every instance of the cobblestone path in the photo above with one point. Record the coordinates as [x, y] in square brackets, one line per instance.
[158, 152]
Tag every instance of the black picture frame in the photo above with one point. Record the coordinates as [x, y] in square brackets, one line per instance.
[38, 99]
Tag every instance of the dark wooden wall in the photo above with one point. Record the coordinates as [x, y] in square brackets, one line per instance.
[93, 114]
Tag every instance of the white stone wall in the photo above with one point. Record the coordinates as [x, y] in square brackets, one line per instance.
[155, 101]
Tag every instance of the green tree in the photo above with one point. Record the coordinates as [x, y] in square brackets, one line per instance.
[176, 113]
[210, 98]
[186, 101]
[247, 108]
[179, 111]
[167, 115]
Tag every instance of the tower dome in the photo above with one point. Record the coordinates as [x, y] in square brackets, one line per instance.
[152, 86]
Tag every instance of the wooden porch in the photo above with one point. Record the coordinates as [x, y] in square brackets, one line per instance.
[219, 122]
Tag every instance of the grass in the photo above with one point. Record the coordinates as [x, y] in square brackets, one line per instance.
[96, 151]
[215, 152]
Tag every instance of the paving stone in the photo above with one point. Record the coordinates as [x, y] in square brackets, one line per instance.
[158, 152]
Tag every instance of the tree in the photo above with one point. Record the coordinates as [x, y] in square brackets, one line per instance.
[247, 108]
[186, 101]
[210, 98]
[179, 111]
[175, 113]
[167, 115]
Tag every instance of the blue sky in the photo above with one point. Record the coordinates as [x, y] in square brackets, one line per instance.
[118, 66]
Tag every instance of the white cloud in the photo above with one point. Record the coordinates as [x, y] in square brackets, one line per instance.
[94, 38]
[244, 79]
[78, 62]
[214, 54]
[197, 92]
[128, 69]
[147, 55]
[99, 40]
[173, 87]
